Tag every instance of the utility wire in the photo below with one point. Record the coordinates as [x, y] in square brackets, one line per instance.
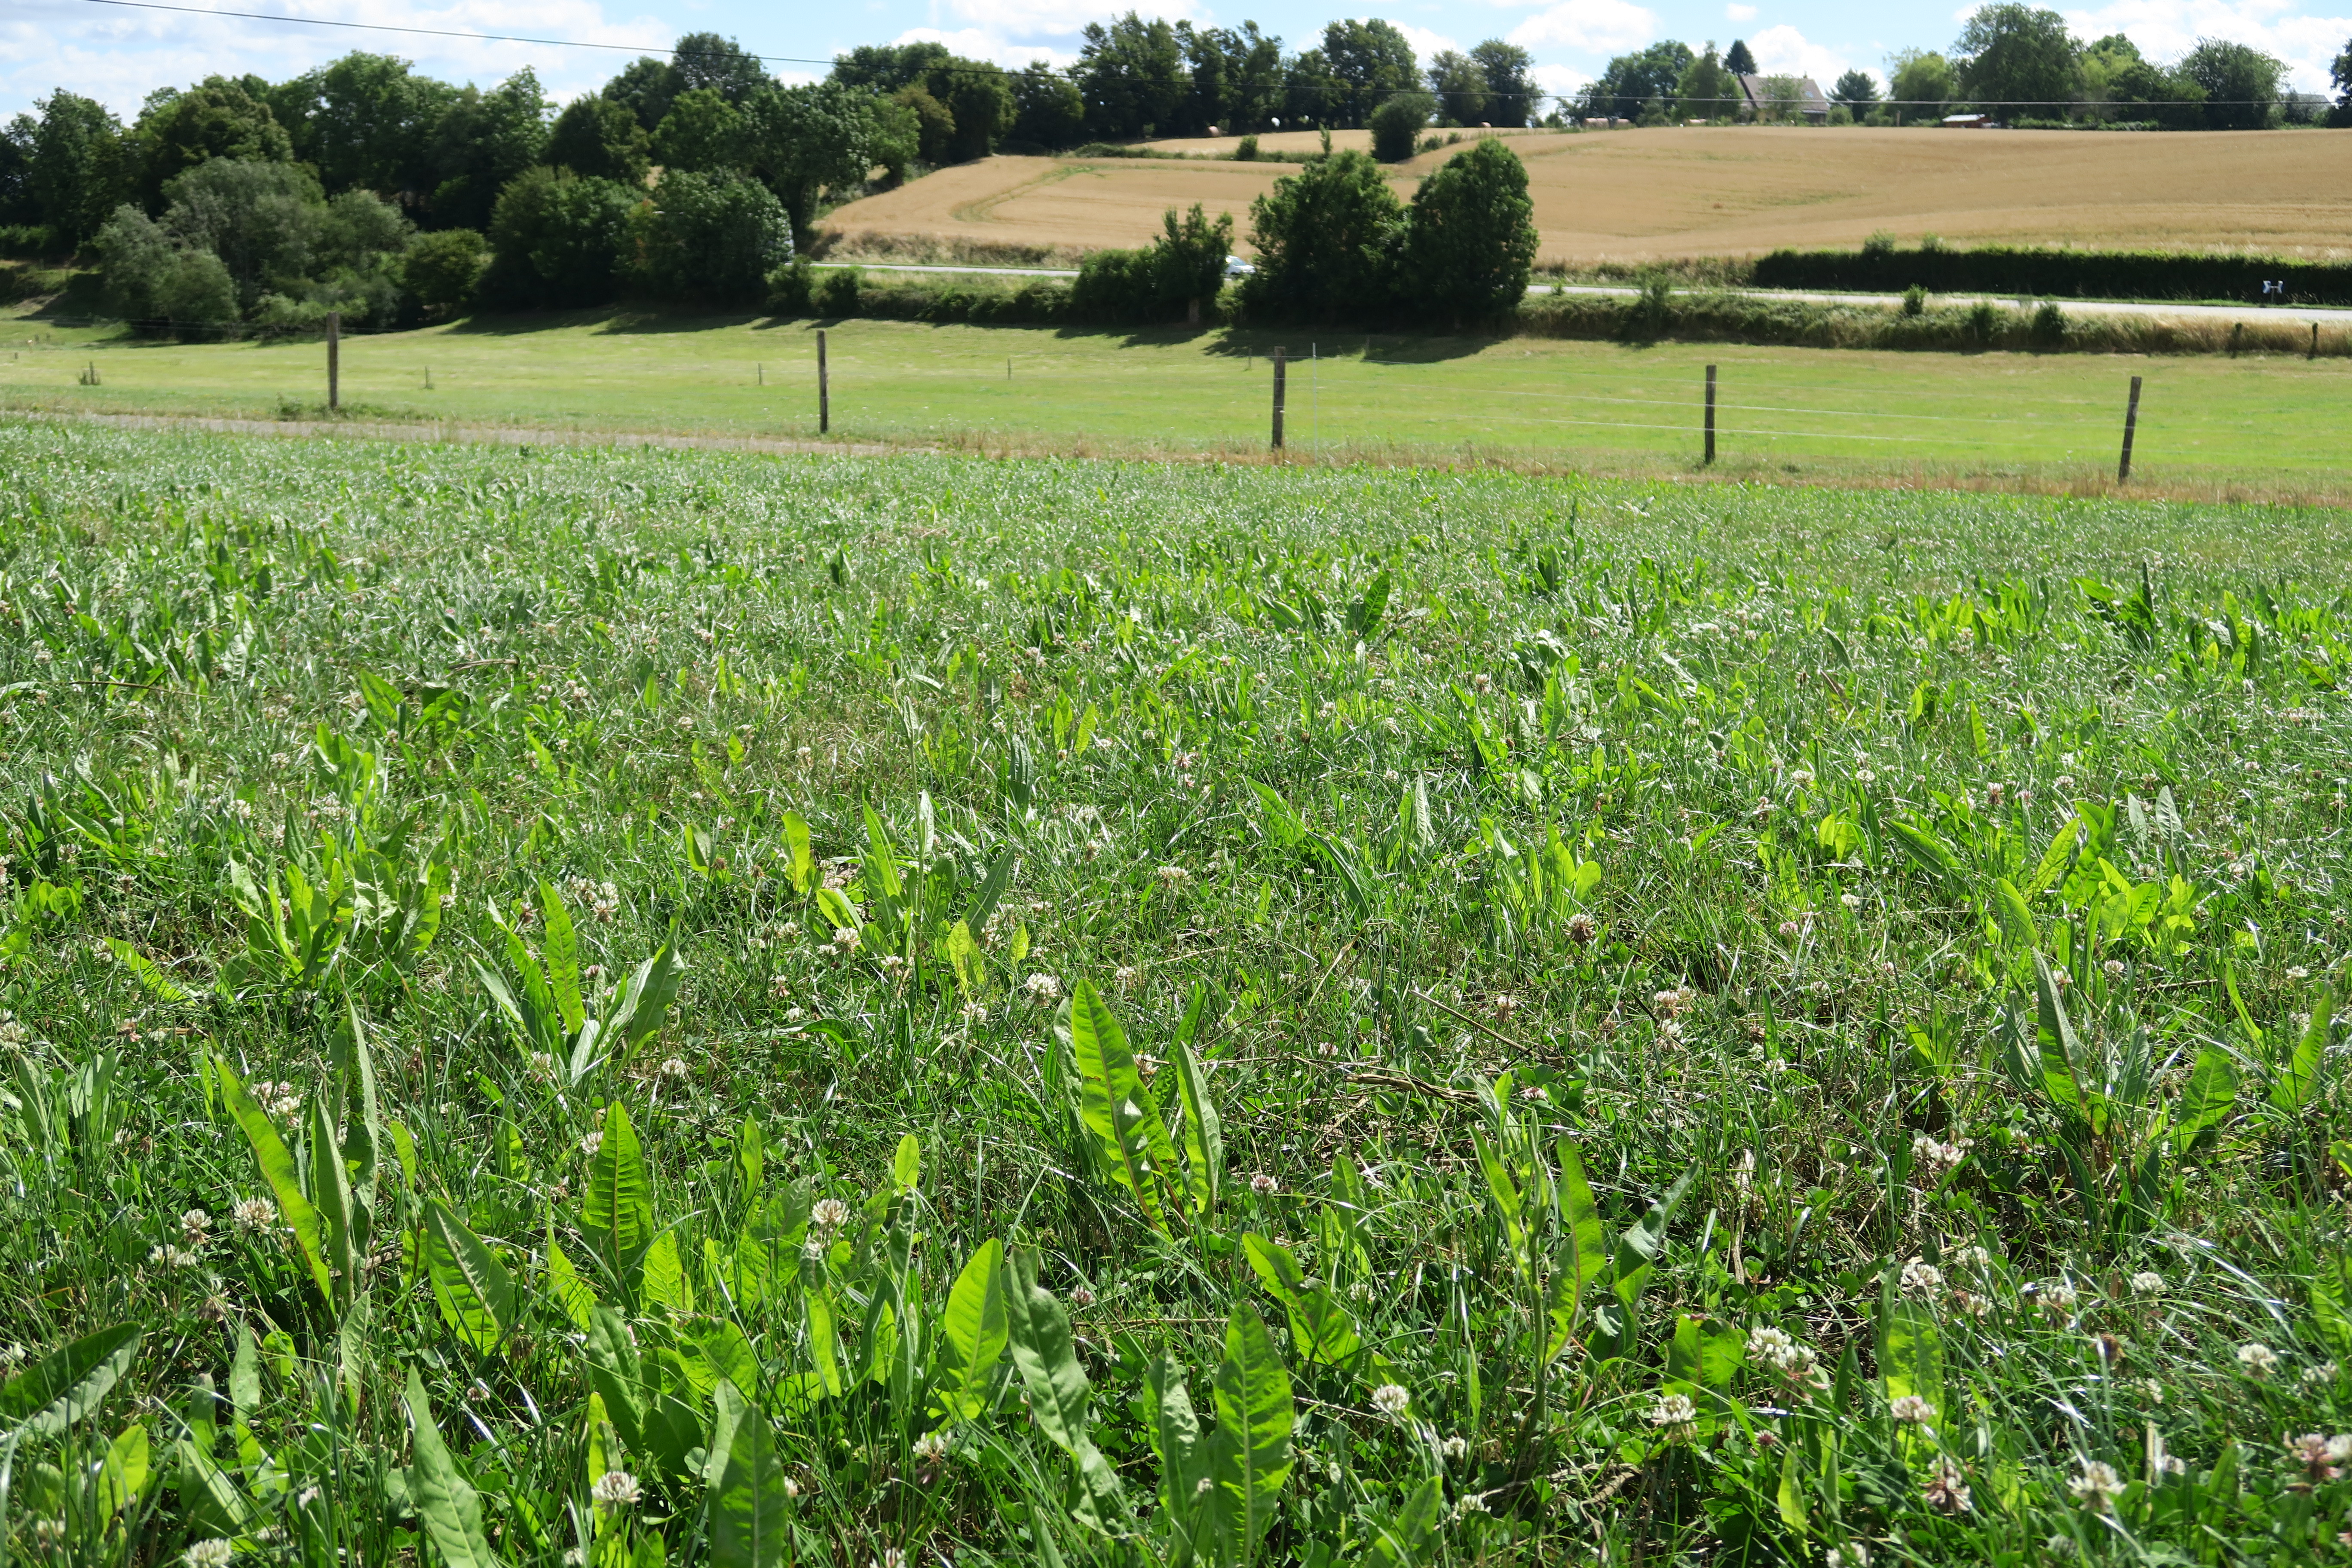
[978, 68]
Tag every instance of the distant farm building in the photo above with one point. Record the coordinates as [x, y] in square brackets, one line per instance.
[1771, 98]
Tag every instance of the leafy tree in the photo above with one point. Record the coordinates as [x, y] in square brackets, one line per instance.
[1512, 95]
[2011, 54]
[1473, 235]
[442, 269]
[1311, 95]
[980, 96]
[1705, 88]
[1189, 256]
[2339, 76]
[556, 239]
[2241, 83]
[1328, 239]
[1921, 82]
[702, 130]
[1254, 82]
[16, 161]
[2118, 83]
[886, 67]
[484, 140]
[372, 125]
[218, 118]
[1370, 62]
[1397, 126]
[806, 140]
[1631, 81]
[265, 222]
[711, 238]
[704, 61]
[1460, 88]
[934, 123]
[147, 276]
[896, 137]
[1739, 60]
[1048, 111]
[644, 88]
[74, 172]
[1131, 75]
[599, 139]
[1857, 90]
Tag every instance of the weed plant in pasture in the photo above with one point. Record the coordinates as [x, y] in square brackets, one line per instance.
[638, 1008]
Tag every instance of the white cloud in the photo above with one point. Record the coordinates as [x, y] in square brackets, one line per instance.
[1740, 13]
[1562, 82]
[2167, 29]
[978, 44]
[1784, 51]
[1425, 43]
[1599, 25]
[1023, 19]
[119, 57]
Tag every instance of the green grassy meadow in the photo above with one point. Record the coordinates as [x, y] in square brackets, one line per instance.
[2267, 422]
[581, 1006]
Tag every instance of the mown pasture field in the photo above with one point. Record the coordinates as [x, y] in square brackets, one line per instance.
[1709, 190]
[2264, 424]
[581, 1006]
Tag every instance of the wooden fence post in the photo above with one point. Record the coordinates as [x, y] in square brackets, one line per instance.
[1710, 413]
[334, 361]
[824, 388]
[2131, 423]
[1281, 374]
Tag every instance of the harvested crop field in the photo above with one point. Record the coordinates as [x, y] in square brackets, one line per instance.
[1727, 191]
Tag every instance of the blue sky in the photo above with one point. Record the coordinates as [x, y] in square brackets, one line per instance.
[118, 54]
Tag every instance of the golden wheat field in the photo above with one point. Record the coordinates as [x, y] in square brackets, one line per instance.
[1717, 191]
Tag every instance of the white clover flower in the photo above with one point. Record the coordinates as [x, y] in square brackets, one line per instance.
[673, 1068]
[170, 1257]
[829, 1214]
[1853, 1554]
[591, 1143]
[1454, 1448]
[210, 1552]
[931, 1448]
[846, 941]
[1921, 1278]
[1174, 875]
[1911, 1408]
[1264, 1185]
[1945, 1489]
[1043, 988]
[617, 1489]
[1391, 1400]
[254, 1214]
[2058, 1295]
[195, 1225]
[2098, 1485]
[1082, 1298]
[542, 1063]
[1675, 1417]
[2147, 1282]
[2259, 1360]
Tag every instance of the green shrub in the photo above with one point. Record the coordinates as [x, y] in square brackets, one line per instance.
[1245, 150]
[1397, 125]
[1984, 320]
[1915, 300]
[835, 295]
[790, 287]
[2049, 328]
[556, 241]
[443, 269]
[1116, 287]
[1473, 235]
[1329, 241]
[1880, 243]
[711, 238]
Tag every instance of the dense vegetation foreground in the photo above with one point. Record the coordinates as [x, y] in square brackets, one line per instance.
[626, 1009]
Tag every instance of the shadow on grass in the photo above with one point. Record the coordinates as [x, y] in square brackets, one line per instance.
[1229, 342]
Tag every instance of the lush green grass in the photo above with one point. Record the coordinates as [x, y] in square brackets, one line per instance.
[2264, 420]
[1602, 953]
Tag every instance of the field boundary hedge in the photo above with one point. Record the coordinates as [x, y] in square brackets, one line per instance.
[2037, 272]
[1659, 315]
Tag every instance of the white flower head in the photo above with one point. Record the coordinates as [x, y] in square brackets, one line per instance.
[1675, 1417]
[2259, 1360]
[2147, 1282]
[1911, 1408]
[1264, 1185]
[210, 1552]
[2098, 1485]
[1043, 988]
[829, 1214]
[617, 1489]
[1391, 1400]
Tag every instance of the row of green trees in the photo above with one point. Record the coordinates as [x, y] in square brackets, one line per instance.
[1335, 244]
[1143, 77]
[2009, 54]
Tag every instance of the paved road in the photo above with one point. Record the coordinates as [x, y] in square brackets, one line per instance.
[2327, 315]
